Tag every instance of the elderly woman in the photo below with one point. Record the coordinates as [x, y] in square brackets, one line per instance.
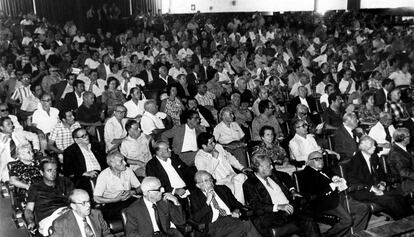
[271, 148]
[24, 171]
[112, 96]
[368, 113]
[172, 105]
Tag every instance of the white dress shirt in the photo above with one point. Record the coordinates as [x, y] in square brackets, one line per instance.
[81, 225]
[301, 147]
[44, 121]
[190, 140]
[173, 176]
[221, 204]
[149, 122]
[377, 133]
[367, 160]
[133, 110]
[114, 130]
[304, 102]
[275, 193]
[343, 85]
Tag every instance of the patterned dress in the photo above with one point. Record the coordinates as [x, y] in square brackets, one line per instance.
[173, 109]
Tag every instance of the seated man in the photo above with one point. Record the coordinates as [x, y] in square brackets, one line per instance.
[173, 174]
[47, 199]
[9, 141]
[151, 121]
[4, 112]
[324, 192]
[184, 137]
[90, 115]
[382, 132]
[270, 193]
[82, 160]
[80, 220]
[135, 147]
[115, 187]
[401, 161]
[115, 128]
[216, 207]
[45, 117]
[332, 116]
[266, 117]
[303, 143]
[155, 214]
[61, 136]
[346, 136]
[303, 99]
[365, 171]
[220, 163]
[207, 119]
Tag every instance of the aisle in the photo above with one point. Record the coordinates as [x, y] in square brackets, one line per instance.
[7, 227]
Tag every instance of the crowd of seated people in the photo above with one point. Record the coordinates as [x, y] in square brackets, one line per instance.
[201, 117]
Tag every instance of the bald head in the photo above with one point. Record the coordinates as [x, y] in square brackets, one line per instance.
[315, 160]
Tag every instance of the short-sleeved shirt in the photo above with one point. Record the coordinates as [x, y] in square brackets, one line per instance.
[89, 115]
[47, 199]
[108, 185]
[44, 121]
[63, 135]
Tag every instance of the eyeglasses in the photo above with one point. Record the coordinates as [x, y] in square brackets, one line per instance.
[303, 126]
[83, 136]
[317, 158]
[205, 181]
[3, 110]
[160, 189]
[84, 203]
[48, 100]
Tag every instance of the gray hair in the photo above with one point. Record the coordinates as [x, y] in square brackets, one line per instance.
[148, 183]
[400, 134]
[148, 103]
[348, 116]
[112, 155]
[365, 143]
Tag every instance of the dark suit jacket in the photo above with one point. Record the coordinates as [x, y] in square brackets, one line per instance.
[58, 88]
[74, 161]
[202, 213]
[379, 98]
[154, 168]
[209, 72]
[358, 175]
[139, 221]
[315, 186]
[67, 226]
[101, 71]
[344, 143]
[259, 199]
[402, 165]
[70, 101]
[207, 115]
[144, 76]
[177, 135]
[295, 101]
[192, 84]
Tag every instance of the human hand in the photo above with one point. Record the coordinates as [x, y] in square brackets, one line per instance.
[210, 195]
[296, 195]
[31, 226]
[92, 174]
[381, 186]
[215, 153]
[286, 208]
[376, 191]
[180, 191]
[172, 198]
[125, 195]
[236, 213]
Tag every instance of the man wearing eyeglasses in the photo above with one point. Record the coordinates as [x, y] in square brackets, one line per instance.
[156, 214]
[82, 160]
[114, 131]
[303, 143]
[81, 220]
[325, 192]
[217, 208]
[45, 117]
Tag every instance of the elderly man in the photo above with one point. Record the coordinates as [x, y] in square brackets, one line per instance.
[401, 161]
[302, 113]
[89, 114]
[81, 220]
[364, 170]
[151, 121]
[45, 117]
[184, 137]
[382, 132]
[61, 136]
[114, 129]
[115, 186]
[347, 84]
[10, 139]
[303, 81]
[303, 143]
[346, 136]
[270, 193]
[4, 112]
[216, 207]
[82, 160]
[174, 174]
[207, 119]
[47, 199]
[156, 214]
[219, 163]
[325, 190]
[303, 99]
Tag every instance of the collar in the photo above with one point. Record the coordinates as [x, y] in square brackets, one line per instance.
[188, 128]
[401, 146]
[348, 129]
[366, 156]
[168, 161]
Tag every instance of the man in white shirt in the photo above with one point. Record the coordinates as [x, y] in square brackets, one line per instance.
[151, 121]
[303, 81]
[347, 84]
[81, 220]
[382, 132]
[184, 51]
[164, 212]
[114, 131]
[45, 117]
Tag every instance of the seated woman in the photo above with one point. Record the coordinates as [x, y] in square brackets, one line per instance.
[368, 113]
[112, 96]
[172, 105]
[25, 170]
[271, 148]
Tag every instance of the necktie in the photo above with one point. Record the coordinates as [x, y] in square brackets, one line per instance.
[222, 212]
[354, 135]
[12, 148]
[387, 134]
[157, 219]
[88, 229]
[268, 184]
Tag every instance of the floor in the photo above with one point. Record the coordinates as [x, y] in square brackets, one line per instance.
[7, 226]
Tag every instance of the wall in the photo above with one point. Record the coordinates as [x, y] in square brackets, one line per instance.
[386, 3]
